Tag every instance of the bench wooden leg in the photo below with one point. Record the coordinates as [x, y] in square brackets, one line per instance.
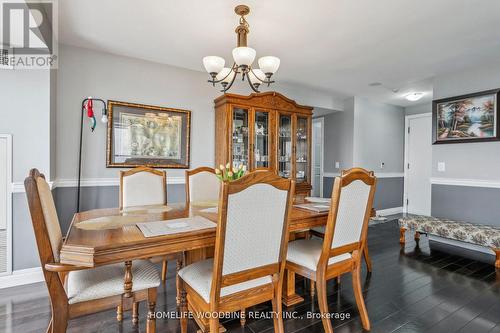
[402, 236]
[497, 260]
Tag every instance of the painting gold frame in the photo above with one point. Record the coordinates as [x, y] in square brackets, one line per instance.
[152, 162]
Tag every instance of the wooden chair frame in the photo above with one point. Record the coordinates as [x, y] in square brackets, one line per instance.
[190, 173]
[193, 302]
[325, 272]
[55, 274]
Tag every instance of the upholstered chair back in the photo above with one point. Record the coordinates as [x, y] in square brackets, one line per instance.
[203, 185]
[44, 217]
[353, 198]
[142, 186]
[256, 216]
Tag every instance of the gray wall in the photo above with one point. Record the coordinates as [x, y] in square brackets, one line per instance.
[466, 203]
[470, 161]
[389, 192]
[25, 113]
[378, 136]
[467, 160]
[338, 139]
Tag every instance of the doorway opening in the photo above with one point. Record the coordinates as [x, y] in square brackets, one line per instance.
[318, 134]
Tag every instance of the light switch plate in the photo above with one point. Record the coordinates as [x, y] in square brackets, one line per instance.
[441, 166]
[337, 165]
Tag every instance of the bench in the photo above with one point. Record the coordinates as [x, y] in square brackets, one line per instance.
[483, 235]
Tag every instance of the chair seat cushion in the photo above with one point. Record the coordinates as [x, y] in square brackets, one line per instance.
[199, 277]
[106, 281]
[483, 235]
[306, 253]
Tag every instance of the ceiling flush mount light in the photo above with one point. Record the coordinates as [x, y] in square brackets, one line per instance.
[243, 57]
[414, 96]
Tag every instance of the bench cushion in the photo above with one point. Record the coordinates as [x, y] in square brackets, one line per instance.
[479, 234]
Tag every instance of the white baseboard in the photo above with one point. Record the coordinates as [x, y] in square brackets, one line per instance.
[22, 277]
[390, 211]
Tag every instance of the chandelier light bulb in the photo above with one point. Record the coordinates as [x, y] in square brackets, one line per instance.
[104, 119]
[213, 64]
[243, 55]
[269, 64]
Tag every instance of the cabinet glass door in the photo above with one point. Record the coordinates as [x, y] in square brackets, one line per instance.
[240, 142]
[302, 152]
[285, 146]
[261, 140]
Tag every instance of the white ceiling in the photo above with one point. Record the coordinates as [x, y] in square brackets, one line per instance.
[340, 46]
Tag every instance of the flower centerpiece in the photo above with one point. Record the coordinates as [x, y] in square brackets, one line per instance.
[225, 173]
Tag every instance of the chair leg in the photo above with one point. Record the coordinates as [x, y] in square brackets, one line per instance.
[214, 325]
[59, 323]
[278, 310]
[151, 321]
[177, 282]
[323, 304]
[183, 307]
[368, 260]
[164, 266]
[119, 313]
[356, 286]
[135, 313]
[243, 317]
[313, 288]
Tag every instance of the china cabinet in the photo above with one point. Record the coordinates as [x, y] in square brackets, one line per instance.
[265, 131]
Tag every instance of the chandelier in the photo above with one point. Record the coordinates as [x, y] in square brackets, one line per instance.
[243, 58]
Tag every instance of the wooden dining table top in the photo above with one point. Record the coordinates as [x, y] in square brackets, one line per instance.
[103, 236]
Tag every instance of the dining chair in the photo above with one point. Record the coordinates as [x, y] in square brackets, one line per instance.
[202, 186]
[76, 291]
[250, 252]
[345, 237]
[143, 186]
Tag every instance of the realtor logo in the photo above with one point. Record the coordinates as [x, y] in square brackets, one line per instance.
[29, 33]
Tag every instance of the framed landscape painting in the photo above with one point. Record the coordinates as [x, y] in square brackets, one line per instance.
[145, 135]
[466, 118]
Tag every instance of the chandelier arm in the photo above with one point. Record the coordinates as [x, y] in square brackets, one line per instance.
[251, 84]
[232, 70]
[232, 81]
[268, 81]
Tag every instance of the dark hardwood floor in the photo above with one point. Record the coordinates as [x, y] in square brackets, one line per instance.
[436, 288]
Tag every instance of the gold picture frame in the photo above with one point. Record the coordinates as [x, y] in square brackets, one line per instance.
[147, 135]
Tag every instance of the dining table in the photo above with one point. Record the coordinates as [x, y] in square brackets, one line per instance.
[106, 236]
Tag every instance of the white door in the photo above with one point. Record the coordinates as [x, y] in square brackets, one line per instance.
[317, 157]
[418, 164]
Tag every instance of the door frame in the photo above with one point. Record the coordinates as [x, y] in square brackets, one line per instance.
[8, 138]
[405, 165]
[322, 160]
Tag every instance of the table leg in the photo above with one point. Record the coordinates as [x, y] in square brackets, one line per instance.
[127, 285]
[289, 296]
